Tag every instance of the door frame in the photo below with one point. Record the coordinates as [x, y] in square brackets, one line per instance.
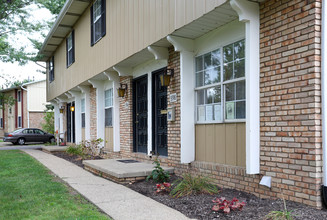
[143, 77]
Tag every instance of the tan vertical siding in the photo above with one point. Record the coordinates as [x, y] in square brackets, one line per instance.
[83, 134]
[132, 25]
[220, 143]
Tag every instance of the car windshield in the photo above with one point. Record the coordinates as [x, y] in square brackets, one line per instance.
[17, 131]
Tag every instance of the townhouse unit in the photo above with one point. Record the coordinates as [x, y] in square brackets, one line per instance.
[226, 88]
[28, 109]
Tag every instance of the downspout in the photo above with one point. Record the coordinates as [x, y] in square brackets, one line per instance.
[324, 97]
[27, 107]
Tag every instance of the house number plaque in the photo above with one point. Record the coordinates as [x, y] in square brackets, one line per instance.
[173, 97]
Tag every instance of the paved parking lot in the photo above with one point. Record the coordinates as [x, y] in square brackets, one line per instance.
[10, 146]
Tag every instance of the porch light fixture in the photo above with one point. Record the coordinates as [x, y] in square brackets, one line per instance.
[72, 108]
[166, 76]
[122, 90]
[61, 110]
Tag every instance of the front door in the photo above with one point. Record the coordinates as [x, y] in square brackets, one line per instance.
[140, 114]
[70, 123]
[159, 118]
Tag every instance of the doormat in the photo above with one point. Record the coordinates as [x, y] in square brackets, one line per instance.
[128, 161]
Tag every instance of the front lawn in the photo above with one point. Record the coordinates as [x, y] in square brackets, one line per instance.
[29, 191]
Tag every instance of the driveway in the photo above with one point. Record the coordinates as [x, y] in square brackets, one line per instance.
[10, 146]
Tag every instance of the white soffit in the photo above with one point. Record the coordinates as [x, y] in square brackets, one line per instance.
[208, 22]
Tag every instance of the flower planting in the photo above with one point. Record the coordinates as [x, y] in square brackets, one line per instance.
[222, 204]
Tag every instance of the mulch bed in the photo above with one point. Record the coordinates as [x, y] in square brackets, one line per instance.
[199, 206]
[78, 160]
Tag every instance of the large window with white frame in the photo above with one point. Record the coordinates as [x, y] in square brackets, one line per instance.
[98, 20]
[83, 112]
[70, 49]
[108, 103]
[220, 84]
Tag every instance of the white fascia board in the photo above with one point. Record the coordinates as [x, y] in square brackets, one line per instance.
[249, 13]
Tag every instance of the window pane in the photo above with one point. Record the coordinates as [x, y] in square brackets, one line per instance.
[228, 71]
[228, 53]
[239, 68]
[211, 76]
[230, 110]
[199, 63]
[240, 90]
[200, 97]
[217, 94]
[217, 112]
[230, 91]
[209, 96]
[207, 60]
[199, 79]
[209, 113]
[240, 109]
[108, 117]
[83, 120]
[239, 49]
[215, 55]
[97, 30]
[201, 113]
[83, 105]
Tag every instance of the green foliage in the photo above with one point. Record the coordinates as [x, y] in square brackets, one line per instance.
[280, 215]
[28, 191]
[6, 100]
[48, 125]
[193, 185]
[75, 150]
[158, 174]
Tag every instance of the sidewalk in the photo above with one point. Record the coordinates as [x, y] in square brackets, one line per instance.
[117, 201]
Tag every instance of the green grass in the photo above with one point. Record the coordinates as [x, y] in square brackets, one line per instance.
[28, 191]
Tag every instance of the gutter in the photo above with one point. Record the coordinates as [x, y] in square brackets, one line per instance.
[324, 97]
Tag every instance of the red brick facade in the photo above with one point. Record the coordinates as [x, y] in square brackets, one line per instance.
[36, 119]
[93, 113]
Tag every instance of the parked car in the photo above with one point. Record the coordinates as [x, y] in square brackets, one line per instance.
[23, 135]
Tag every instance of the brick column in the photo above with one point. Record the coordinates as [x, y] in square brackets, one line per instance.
[93, 113]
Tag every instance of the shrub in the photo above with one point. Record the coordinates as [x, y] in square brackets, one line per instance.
[158, 174]
[193, 185]
[92, 147]
[226, 206]
[75, 150]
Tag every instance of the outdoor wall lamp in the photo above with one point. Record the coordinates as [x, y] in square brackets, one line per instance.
[122, 90]
[61, 110]
[166, 76]
[72, 108]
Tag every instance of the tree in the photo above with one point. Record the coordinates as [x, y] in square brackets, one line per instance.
[48, 125]
[6, 100]
[14, 19]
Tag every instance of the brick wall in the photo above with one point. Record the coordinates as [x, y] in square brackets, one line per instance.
[24, 110]
[291, 150]
[93, 113]
[36, 118]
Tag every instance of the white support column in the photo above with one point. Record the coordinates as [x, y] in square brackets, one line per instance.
[56, 115]
[249, 14]
[112, 76]
[86, 91]
[78, 120]
[186, 47]
[99, 85]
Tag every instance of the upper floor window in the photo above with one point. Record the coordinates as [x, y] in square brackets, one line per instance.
[70, 49]
[1, 122]
[19, 121]
[98, 20]
[19, 96]
[83, 112]
[108, 104]
[51, 69]
[220, 84]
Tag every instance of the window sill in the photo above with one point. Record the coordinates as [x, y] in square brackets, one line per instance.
[221, 122]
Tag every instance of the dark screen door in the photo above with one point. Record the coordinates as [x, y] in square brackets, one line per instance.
[140, 116]
[159, 115]
[70, 123]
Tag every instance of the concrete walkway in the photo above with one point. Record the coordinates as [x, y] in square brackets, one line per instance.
[18, 147]
[117, 201]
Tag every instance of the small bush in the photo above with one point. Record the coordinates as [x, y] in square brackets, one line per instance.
[75, 150]
[158, 174]
[193, 185]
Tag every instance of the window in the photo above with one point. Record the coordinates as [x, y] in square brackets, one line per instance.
[51, 69]
[220, 84]
[98, 21]
[1, 122]
[108, 103]
[19, 121]
[70, 49]
[37, 131]
[19, 96]
[83, 112]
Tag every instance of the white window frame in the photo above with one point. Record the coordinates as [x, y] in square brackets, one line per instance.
[222, 85]
[70, 48]
[110, 105]
[97, 16]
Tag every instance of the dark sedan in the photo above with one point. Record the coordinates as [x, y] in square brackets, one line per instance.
[23, 135]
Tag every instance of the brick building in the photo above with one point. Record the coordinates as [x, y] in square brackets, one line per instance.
[27, 111]
[244, 98]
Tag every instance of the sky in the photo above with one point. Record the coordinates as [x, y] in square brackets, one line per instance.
[12, 71]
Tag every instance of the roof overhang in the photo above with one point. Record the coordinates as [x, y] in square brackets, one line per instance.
[68, 16]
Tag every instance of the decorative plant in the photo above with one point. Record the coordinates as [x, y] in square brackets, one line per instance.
[158, 174]
[92, 147]
[163, 187]
[226, 206]
[280, 215]
[193, 185]
[75, 150]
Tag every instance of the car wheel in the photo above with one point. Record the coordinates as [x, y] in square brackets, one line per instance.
[52, 140]
[21, 141]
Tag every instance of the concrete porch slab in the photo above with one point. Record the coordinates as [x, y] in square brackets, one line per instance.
[120, 170]
[50, 149]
